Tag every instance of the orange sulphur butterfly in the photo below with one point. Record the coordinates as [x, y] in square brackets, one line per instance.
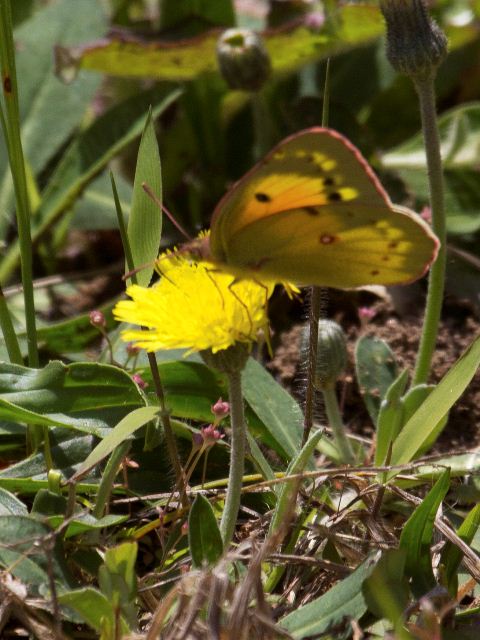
[314, 213]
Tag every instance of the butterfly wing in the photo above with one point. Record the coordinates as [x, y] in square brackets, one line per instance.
[314, 212]
[338, 247]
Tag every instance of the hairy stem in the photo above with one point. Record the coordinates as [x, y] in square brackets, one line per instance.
[237, 457]
[436, 282]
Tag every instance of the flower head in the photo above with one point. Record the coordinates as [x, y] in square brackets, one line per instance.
[194, 306]
[415, 43]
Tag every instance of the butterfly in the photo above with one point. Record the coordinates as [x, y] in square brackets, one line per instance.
[313, 212]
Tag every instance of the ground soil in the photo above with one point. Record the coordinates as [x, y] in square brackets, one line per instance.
[397, 320]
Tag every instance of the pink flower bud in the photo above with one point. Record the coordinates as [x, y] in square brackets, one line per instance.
[220, 409]
[97, 319]
[211, 435]
[140, 381]
[132, 350]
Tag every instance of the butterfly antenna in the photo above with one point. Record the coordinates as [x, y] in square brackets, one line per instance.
[161, 206]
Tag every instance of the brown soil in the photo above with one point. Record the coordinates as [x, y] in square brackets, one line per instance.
[401, 331]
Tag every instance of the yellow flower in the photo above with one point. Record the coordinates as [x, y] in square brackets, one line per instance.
[194, 306]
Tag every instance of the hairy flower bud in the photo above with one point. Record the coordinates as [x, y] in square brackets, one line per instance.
[331, 354]
[416, 45]
[243, 60]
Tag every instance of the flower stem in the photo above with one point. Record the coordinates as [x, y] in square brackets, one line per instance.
[436, 281]
[335, 422]
[164, 414]
[316, 296]
[237, 457]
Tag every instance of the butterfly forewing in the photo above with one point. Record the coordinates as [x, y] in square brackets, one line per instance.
[312, 168]
[313, 212]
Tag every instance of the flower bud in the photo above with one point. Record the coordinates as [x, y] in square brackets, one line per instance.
[331, 354]
[97, 319]
[220, 409]
[243, 60]
[415, 43]
[137, 378]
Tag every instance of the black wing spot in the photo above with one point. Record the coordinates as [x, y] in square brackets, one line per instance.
[392, 245]
[262, 197]
[385, 258]
[374, 272]
[311, 211]
[335, 196]
[329, 182]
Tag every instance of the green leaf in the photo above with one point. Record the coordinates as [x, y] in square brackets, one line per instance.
[386, 591]
[280, 414]
[289, 49]
[343, 601]
[416, 537]
[92, 606]
[145, 222]
[297, 465]
[204, 537]
[376, 371]
[123, 430]
[11, 505]
[96, 208]
[82, 396]
[75, 334]
[121, 560]
[49, 110]
[88, 155]
[26, 553]
[459, 131]
[390, 417]
[452, 555]
[411, 403]
[436, 406]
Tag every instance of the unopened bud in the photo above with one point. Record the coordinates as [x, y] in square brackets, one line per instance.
[243, 60]
[97, 319]
[331, 354]
[140, 381]
[416, 45]
[220, 409]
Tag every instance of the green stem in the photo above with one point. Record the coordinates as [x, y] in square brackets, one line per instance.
[335, 421]
[436, 281]
[8, 331]
[164, 414]
[237, 458]
[262, 124]
[11, 126]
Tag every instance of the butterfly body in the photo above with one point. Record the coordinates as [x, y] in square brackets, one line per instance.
[313, 212]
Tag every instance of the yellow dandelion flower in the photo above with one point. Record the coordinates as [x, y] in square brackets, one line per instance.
[194, 306]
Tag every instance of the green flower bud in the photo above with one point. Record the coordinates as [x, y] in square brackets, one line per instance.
[331, 354]
[243, 59]
[416, 45]
[228, 360]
